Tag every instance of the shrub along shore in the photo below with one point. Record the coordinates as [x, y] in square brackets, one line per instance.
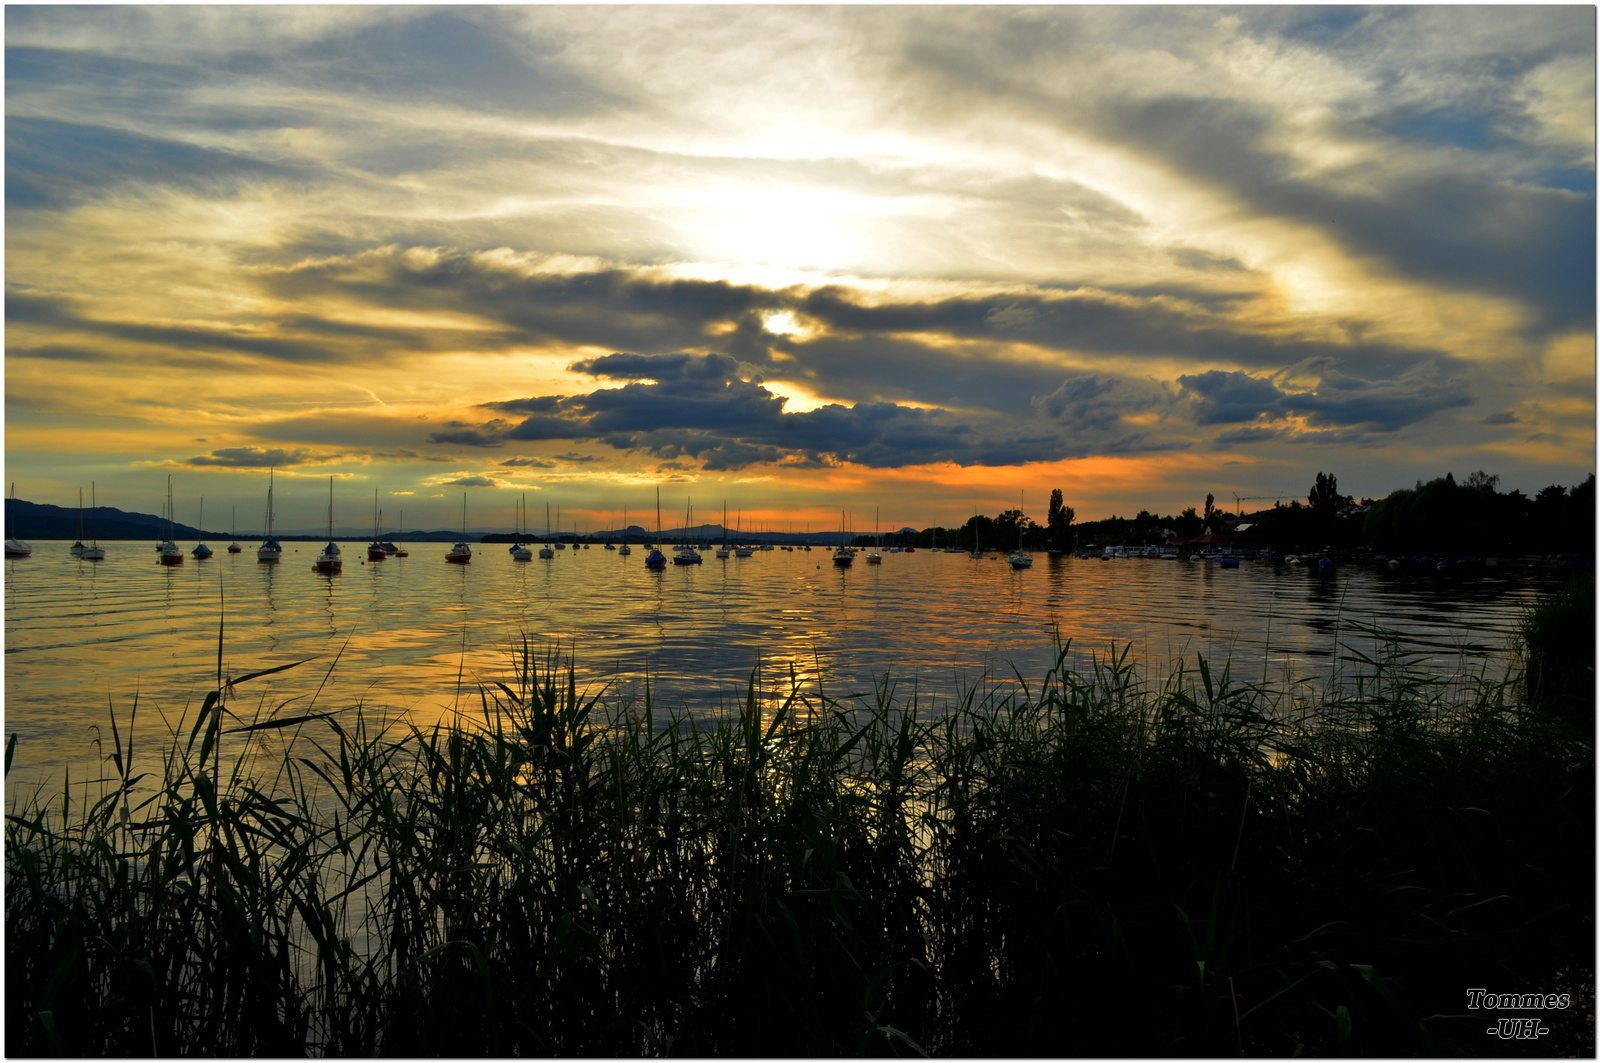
[1096, 863]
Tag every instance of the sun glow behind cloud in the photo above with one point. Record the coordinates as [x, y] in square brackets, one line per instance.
[949, 246]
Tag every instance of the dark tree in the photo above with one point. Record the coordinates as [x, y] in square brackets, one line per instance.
[1059, 521]
[1324, 497]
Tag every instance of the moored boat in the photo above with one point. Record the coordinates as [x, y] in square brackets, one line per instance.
[686, 554]
[519, 549]
[94, 551]
[77, 548]
[201, 551]
[391, 548]
[330, 560]
[655, 559]
[377, 550]
[269, 552]
[170, 552]
[461, 552]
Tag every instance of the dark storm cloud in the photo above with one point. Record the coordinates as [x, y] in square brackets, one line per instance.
[488, 435]
[613, 308]
[1230, 398]
[258, 457]
[880, 350]
[681, 406]
[1338, 402]
[1093, 402]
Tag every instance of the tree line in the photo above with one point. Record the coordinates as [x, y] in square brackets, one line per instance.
[1438, 517]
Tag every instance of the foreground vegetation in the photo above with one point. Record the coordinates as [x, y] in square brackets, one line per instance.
[1095, 864]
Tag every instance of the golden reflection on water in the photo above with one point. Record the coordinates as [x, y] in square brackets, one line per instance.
[414, 638]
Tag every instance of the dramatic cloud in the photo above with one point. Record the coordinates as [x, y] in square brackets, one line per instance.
[258, 458]
[784, 249]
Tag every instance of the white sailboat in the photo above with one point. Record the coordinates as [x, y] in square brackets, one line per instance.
[874, 556]
[624, 550]
[330, 559]
[722, 551]
[686, 554]
[461, 552]
[171, 553]
[269, 551]
[1019, 557]
[233, 547]
[519, 549]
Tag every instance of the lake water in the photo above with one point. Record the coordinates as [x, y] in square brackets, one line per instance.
[409, 633]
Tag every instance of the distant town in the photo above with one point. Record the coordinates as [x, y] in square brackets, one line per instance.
[1442, 517]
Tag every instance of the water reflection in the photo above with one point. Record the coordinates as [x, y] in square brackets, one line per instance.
[412, 630]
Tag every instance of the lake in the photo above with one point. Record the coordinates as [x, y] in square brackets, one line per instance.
[413, 636]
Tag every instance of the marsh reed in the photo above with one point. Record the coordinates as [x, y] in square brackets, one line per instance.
[1092, 863]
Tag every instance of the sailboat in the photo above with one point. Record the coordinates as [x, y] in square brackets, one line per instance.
[389, 547]
[519, 551]
[844, 556]
[1019, 557]
[269, 551]
[233, 547]
[330, 560]
[94, 551]
[624, 550]
[77, 548]
[17, 547]
[741, 548]
[655, 559]
[376, 550]
[171, 553]
[201, 551]
[722, 551]
[874, 556]
[546, 551]
[461, 553]
[686, 554]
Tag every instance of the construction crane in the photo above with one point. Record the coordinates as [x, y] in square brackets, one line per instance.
[1239, 500]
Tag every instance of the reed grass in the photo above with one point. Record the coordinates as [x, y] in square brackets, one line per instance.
[1092, 864]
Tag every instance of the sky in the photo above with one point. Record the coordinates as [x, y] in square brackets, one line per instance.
[885, 265]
